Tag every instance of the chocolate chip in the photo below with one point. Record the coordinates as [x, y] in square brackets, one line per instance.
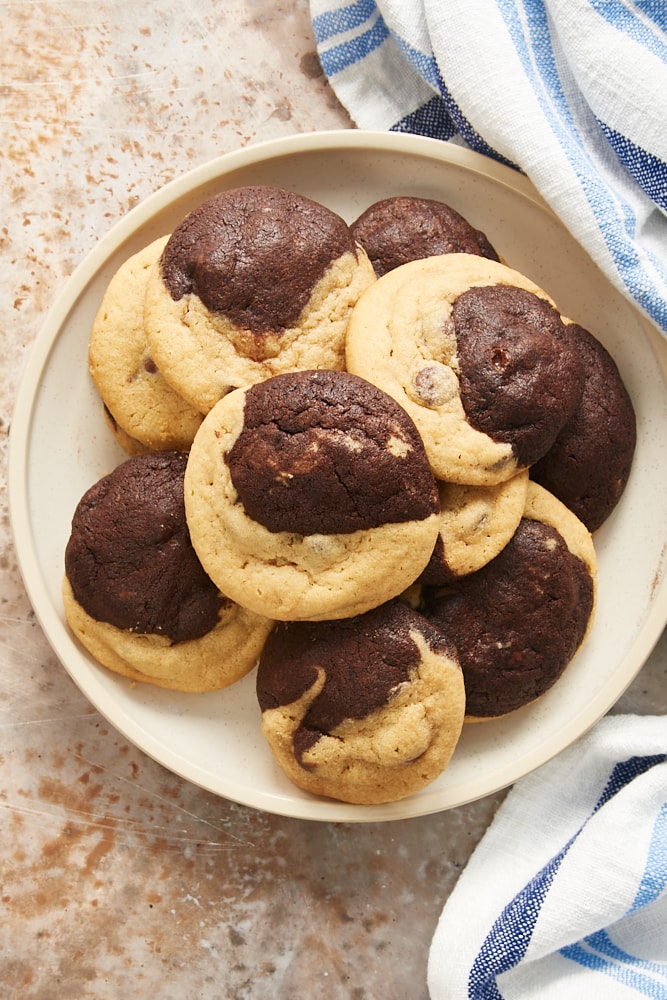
[433, 385]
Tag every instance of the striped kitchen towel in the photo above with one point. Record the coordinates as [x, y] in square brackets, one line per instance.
[571, 92]
[565, 897]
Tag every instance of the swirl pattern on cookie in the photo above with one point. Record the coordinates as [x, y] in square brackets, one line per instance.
[477, 354]
[135, 593]
[517, 622]
[310, 496]
[367, 709]
[253, 282]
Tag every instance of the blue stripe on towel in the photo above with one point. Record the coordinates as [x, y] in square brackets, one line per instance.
[598, 952]
[338, 58]
[349, 18]
[432, 119]
[615, 219]
[465, 129]
[508, 939]
[425, 64]
[656, 10]
[622, 973]
[647, 170]
[626, 771]
[624, 19]
[654, 879]
[603, 944]
[336, 22]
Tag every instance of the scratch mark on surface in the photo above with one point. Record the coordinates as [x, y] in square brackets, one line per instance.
[163, 800]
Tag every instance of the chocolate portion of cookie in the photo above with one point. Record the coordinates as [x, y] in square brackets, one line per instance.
[365, 659]
[588, 465]
[520, 373]
[254, 254]
[129, 559]
[326, 452]
[399, 229]
[517, 622]
[437, 571]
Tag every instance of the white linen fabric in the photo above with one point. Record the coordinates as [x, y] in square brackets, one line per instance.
[571, 92]
[565, 897]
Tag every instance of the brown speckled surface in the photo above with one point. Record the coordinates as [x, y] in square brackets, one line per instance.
[118, 878]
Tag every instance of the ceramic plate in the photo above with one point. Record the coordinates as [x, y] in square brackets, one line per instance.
[60, 445]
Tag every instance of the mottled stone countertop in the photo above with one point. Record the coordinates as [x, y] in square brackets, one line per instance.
[120, 879]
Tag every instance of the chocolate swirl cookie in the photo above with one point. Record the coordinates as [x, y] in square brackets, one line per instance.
[479, 357]
[367, 710]
[310, 496]
[135, 593]
[143, 410]
[517, 622]
[589, 463]
[396, 230]
[254, 282]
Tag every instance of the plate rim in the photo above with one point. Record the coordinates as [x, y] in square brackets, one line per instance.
[44, 343]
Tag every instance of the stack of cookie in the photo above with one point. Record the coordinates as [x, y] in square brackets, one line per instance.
[368, 457]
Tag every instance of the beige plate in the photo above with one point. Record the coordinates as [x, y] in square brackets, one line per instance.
[60, 445]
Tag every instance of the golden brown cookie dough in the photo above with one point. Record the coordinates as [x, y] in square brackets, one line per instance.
[396, 230]
[254, 282]
[309, 496]
[365, 710]
[478, 356]
[476, 522]
[518, 621]
[135, 593]
[144, 412]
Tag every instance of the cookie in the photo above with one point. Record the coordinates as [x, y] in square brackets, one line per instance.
[309, 496]
[479, 357]
[254, 282]
[135, 593]
[143, 410]
[476, 522]
[589, 464]
[396, 230]
[518, 621]
[366, 709]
